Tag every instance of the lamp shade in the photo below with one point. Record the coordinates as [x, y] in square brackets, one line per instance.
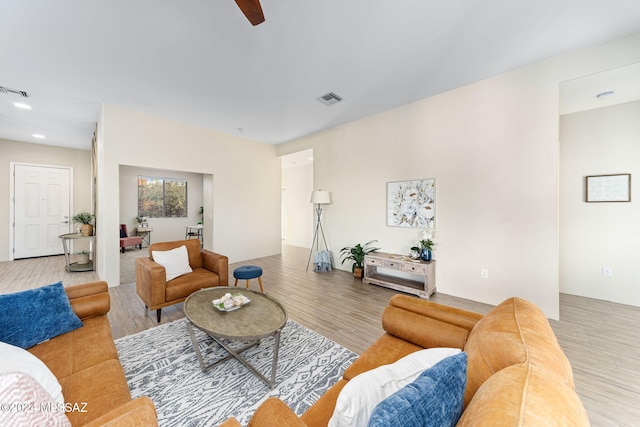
[320, 197]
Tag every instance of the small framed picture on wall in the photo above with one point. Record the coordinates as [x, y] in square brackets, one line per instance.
[608, 188]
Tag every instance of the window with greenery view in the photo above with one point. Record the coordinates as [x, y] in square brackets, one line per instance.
[162, 197]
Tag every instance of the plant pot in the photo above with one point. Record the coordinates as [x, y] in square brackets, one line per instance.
[82, 258]
[86, 229]
[358, 272]
[425, 255]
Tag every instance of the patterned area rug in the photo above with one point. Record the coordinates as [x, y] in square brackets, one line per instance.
[161, 363]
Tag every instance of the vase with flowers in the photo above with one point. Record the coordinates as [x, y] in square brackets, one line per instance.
[425, 245]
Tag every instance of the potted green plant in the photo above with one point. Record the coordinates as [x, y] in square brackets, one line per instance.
[86, 220]
[425, 248]
[356, 254]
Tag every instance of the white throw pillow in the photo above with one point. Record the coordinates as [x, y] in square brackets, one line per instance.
[361, 395]
[174, 261]
[26, 403]
[16, 359]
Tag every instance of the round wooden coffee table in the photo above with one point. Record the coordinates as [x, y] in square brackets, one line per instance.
[262, 317]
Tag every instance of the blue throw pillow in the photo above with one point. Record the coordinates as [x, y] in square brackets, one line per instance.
[30, 317]
[435, 398]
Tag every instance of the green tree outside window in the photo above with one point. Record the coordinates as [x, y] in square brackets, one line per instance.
[162, 197]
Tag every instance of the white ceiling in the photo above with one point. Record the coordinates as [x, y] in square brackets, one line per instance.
[201, 62]
[620, 85]
[299, 158]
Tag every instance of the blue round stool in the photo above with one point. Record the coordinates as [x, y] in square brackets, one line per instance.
[247, 273]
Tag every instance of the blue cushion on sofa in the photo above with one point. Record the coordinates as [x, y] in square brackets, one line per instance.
[36, 315]
[435, 398]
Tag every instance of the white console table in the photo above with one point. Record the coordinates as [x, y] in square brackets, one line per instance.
[400, 273]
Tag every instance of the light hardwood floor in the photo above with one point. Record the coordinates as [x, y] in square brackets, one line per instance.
[601, 339]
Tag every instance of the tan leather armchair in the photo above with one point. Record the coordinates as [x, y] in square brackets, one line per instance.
[209, 269]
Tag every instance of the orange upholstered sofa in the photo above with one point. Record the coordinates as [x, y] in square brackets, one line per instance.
[85, 362]
[517, 375]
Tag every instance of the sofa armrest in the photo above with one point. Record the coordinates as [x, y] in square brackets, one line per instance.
[139, 412]
[422, 330]
[444, 313]
[274, 412]
[218, 264]
[89, 299]
[151, 281]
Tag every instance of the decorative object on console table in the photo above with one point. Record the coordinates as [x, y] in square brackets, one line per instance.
[608, 188]
[86, 220]
[357, 254]
[424, 249]
[425, 254]
[411, 203]
[322, 258]
[413, 276]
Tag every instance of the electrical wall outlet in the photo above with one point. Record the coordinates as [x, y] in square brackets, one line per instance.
[607, 271]
[484, 273]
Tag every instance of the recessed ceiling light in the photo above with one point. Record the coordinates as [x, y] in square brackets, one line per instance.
[38, 135]
[22, 105]
[606, 94]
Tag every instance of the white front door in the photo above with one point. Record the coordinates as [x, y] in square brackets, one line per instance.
[41, 210]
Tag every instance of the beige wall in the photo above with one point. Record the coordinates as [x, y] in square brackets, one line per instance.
[38, 154]
[245, 189]
[493, 148]
[596, 235]
[164, 229]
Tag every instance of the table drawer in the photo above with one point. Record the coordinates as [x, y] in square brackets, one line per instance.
[384, 263]
[414, 268]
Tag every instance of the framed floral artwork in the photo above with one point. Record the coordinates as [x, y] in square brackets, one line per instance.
[411, 203]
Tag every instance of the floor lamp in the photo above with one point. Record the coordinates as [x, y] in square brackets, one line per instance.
[319, 197]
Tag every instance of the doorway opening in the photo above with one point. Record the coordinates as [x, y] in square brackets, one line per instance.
[199, 211]
[297, 210]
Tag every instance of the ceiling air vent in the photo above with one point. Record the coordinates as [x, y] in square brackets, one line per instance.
[330, 99]
[21, 93]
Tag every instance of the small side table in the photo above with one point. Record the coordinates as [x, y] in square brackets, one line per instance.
[145, 233]
[75, 266]
[194, 231]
